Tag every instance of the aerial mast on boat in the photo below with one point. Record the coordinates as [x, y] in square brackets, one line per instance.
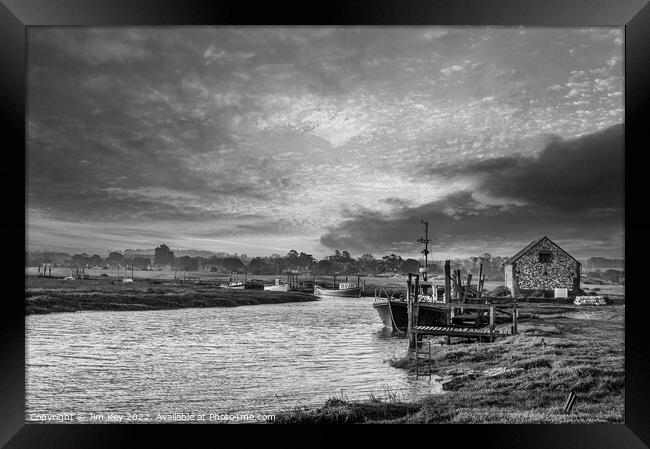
[425, 251]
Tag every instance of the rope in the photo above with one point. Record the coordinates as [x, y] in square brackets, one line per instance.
[390, 309]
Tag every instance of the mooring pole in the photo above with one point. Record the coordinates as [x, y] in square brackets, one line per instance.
[409, 311]
[425, 251]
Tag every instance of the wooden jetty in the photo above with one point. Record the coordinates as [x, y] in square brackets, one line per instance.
[463, 319]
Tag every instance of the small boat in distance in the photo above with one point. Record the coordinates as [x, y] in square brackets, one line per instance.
[344, 290]
[233, 285]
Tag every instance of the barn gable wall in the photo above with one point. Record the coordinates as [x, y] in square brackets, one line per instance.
[561, 272]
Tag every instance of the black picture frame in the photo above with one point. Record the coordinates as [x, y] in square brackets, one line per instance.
[634, 15]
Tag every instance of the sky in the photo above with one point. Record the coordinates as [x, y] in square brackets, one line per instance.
[259, 140]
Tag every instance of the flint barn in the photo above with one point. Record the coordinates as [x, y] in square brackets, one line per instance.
[542, 266]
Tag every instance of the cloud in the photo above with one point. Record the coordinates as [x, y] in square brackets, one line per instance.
[579, 174]
[451, 69]
[188, 128]
[572, 190]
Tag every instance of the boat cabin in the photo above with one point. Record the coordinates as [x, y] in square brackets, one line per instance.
[430, 292]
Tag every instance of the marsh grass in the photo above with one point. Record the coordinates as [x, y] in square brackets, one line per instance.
[49, 295]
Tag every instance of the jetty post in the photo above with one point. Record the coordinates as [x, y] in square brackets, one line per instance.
[413, 286]
[448, 289]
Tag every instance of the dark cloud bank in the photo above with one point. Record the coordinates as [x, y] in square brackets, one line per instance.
[573, 189]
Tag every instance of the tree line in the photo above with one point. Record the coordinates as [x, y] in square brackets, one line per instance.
[337, 263]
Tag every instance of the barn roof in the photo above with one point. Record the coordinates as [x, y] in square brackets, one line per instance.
[532, 244]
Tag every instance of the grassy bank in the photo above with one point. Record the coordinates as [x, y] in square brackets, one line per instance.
[558, 349]
[49, 295]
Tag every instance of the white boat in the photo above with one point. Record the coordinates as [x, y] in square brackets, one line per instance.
[344, 290]
[234, 285]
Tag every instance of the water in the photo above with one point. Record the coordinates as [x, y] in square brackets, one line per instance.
[246, 360]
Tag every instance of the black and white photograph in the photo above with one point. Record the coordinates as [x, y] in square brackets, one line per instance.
[325, 224]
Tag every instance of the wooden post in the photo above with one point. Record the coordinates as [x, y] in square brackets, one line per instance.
[416, 305]
[417, 361]
[491, 324]
[466, 289]
[334, 282]
[447, 282]
[515, 313]
[410, 294]
[429, 358]
[479, 286]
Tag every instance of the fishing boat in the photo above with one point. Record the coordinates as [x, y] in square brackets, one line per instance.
[277, 286]
[233, 285]
[391, 305]
[344, 290]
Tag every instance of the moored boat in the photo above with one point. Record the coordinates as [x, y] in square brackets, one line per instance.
[344, 290]
[233, 285]
[393, 311]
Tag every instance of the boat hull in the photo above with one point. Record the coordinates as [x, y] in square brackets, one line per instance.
[337, 293]
[277, 288]
[395, 315]
[394, 318]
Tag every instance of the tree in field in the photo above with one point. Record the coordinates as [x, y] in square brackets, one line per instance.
[114, 258]
[367, 263]
[390, 263]
[163, 255]
[140, 263]
[409, 266]
[186, 263]
[257, 265]
[80, 260]
[306, 261]
[325, 266]
[95, 260]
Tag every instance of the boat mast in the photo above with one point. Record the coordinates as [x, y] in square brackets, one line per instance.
[425, 251]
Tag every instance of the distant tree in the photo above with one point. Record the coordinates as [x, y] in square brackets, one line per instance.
[614, 276]
[163, 255]
[80, 260]
[435, 268]
[367, 264]
[256, 265]
[409, 266]
[390, 264]
[306, 261]
[141, 263]
[233, 264]
[186, 263]
[114, 258]
[95, 260]
[325, 267]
